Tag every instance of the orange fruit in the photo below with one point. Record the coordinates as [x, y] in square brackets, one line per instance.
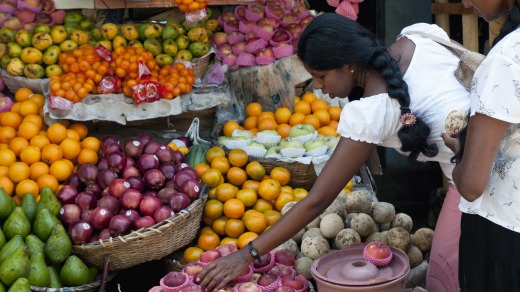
[60, 169]
[236, 176]
[296, 118]
[35, 119]
[256, 222]
[245, 238]
[299, 193]
[213, 152]
[17, 144]
[220, 163]
[334, 124]
[235, 228]
[225, 192]
[227, 240]
[192, 253]
[72, 134]
[212, 193]
[318, 104]
[208, 241]
[27, 186]
[211, 177]
[323, 116]
[71, 148]
[7, 157]
[15, 107]
[56, 133]
[251, 123]
[265, 115]
[281, 174]
[251, 184]
[7, 133]
[206, 229]
[38, 99]
[7, 184]
[269, 189]
[234, 208]
[11, 119]
[334, 112]
[4, 170]
[272, 216]
[29, 107]
[309, 97]
[247, 196]
[213, 209]
[283, 130]
[255, 170]
[267, 124]
[19, 171]
[79, 128]
[201, 168]
[47, 180]
[327, 131]
[286, 189]
[22, 94]
[28, 130]
[262, 205]
[253, 109]
[30, 155]
[219, 225]
[39, 141]
[92, 143]
[229, 127]
[38, 169]
[302, 107]
[51, 153]
[312, 120]
[87, 156]
[296, 99]
[238, 157]
[283, 199]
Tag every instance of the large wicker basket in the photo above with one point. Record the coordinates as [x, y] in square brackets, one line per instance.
[200, 65]
[302, 175]
[91, 287]
[149, 244]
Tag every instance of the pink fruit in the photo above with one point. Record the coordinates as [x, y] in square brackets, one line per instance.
[174, 279]
[193, 269]
[292, 282]
[226, 249]
[266, 280]
[284, 257]
[209, 256]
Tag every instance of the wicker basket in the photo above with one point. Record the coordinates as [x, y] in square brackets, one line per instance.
[152, 243]
[200, 65]
[91, 287]
[302, 175]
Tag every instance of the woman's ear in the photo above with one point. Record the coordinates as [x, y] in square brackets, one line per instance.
[349, 68]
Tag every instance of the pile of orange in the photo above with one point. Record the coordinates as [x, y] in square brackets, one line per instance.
[176, 79]
[308, 109]
[244, 200]
[32, 155]
[125, 65]
[191, 5]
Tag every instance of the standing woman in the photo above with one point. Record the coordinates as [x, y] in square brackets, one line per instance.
[488, 175]
[401, 111]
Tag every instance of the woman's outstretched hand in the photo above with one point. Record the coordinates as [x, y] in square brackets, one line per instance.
[451, 142]
[219, 273]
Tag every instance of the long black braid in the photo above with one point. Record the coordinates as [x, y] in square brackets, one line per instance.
[331, 41]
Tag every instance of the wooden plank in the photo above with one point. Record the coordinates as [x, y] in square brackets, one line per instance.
[494, 29]
[450, 8]
[67, 4]
[470, 32]
[443, 19]
[115, 4]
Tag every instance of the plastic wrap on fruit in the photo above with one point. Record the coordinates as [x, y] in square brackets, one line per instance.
[109, 84]
[5, 103]
[60, 103]
[217, 74]
[144, 72]
[195, 16]
[146, 91]
[104, 53]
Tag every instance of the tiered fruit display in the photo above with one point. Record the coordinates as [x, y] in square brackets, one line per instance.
[34, 156]
[35, 249]
[243, 199]
[260, 33]
[311, 116]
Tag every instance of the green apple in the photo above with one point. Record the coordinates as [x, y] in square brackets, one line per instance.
[309, 127]
[300, 130]
[222, 140]
[243, 133]
[270, 132]
[331, 141]
[283, 142]
[313, 144]
[273, 151]
[256, 145]
[238, 138]
[293, 144]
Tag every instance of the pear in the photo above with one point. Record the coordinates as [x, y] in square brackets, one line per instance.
[20, 285]
[7, 205]
[74, 272]
[54, 278]
[92, 273]
[34, 244]
[48, 201]
[58, 247]
[15, 266]
[28, 204]
[38, 274]
[2, 288]
[17, 224]
[43, 224]
[2, 239]
[10, 247]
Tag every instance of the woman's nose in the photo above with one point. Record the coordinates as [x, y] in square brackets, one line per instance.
[316, 84]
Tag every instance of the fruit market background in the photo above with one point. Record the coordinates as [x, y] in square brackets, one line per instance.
[133, 128]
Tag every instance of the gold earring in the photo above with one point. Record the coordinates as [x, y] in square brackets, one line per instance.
[352, 71]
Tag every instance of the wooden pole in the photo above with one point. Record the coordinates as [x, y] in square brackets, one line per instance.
[443, 20]
[470, 31]
[494, 29]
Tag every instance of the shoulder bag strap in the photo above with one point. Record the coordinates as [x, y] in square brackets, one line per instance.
[456, 49]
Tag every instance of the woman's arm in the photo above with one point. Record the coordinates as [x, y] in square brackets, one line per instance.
[343, 164]
[472, 174]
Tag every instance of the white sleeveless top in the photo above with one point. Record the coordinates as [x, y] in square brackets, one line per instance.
[434, 92]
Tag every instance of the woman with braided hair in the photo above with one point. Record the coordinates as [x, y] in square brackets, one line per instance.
[488, 173]
[408, 90]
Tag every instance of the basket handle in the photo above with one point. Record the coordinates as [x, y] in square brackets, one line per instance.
[104, 279]
[193, 133]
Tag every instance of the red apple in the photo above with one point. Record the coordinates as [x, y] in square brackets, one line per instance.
[306, 20]
[258, 9]
[284, 289]
[266, 280]
[192, 288]
[298, 8]
[292, 282]
[247, 287]
[289, 18]
[267, 22]
[240, 11]
[276, 10]
[226, 249]
[233, 24]
[224, 49]
[174, 279]
[378, 250]
[226, 16]
[285, 257]
[239, 47]
[209, 256]
[265, 52]
[193, 269]
[263, 261]
[281, 36]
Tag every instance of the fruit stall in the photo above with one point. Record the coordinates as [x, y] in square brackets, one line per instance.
[171, 141]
